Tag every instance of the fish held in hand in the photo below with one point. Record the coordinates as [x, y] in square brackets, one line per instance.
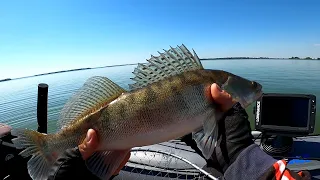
[169, 99]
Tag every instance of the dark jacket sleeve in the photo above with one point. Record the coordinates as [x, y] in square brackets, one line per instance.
[253, 163]
[70, 166]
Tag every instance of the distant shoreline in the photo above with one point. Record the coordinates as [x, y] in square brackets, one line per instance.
[240, 58]
[204, 59]
[8, 79]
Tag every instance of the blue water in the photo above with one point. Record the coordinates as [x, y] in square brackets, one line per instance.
[18, 98]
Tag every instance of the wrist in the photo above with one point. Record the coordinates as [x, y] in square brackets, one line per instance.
[229, 106]
[235, 136]
[234, 109]
[67, 165]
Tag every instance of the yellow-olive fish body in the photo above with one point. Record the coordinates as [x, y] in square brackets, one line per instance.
[169, 99]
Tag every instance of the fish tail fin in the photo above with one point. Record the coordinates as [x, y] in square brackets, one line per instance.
[35, 144]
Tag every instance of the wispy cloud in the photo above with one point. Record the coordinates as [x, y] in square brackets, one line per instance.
[317, 44]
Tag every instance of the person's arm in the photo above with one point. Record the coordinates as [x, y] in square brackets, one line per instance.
[236, 155]
[241, 158]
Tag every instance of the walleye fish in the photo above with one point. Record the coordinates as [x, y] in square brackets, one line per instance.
[169, 99]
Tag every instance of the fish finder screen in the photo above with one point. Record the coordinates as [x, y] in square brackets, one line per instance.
[285, 111]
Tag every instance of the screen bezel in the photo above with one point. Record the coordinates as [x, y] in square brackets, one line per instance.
[287, 129]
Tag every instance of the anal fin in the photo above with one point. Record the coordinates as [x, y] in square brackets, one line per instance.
[104, 164]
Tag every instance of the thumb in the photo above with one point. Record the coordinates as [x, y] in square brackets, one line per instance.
[216, 87]
[216, 92]
[90, 139]
[222, 97]
[89, 145]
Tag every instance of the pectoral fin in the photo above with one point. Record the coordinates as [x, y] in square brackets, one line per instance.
[206, 143]
[206, 138]
[104, 164]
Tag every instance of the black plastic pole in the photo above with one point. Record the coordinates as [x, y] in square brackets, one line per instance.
[42, 107]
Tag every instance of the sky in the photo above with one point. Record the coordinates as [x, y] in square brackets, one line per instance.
[40, 36]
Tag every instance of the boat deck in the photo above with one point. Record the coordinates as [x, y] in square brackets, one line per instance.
[155, 161]
[176, 160]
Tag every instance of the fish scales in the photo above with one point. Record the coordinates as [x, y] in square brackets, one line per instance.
[136, 113]
[151, 111]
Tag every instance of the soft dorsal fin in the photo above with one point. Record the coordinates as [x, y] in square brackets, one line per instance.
[96, 92]
[171, 62]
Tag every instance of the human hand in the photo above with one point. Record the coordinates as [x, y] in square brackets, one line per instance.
[90, 145]
[221, 97]
[234, 130]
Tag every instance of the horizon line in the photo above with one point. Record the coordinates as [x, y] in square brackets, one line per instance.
[130, 64]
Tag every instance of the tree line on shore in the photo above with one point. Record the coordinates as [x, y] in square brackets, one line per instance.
[304, 58]
[307, 58]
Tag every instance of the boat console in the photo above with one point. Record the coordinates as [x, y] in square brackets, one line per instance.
[282, 117]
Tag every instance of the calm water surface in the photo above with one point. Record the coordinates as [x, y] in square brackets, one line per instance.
[18, 98]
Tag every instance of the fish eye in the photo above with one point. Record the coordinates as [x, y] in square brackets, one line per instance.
[254, 84]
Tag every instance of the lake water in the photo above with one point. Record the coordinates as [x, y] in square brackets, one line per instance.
[18, 98]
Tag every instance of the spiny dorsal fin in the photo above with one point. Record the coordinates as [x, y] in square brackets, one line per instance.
[171, 62]
[96, 92]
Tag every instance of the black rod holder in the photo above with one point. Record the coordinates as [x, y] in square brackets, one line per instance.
[42, 107]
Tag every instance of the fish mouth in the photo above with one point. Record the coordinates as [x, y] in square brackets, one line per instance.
[259, 94]
[246, 101]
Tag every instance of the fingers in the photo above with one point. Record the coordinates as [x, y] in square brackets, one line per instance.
[221, 97]
[218, 94]
[216, 87]
[89, 145]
